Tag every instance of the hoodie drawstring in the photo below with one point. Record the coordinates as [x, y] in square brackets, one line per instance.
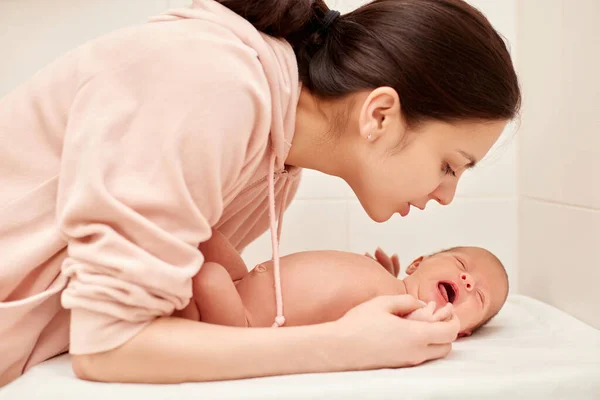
[275, 237]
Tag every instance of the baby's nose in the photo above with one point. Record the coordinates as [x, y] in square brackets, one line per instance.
[468, 281]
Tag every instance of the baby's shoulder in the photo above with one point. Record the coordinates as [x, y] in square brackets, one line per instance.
[331, 257]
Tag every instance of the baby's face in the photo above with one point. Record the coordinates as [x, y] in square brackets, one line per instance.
[468, 277]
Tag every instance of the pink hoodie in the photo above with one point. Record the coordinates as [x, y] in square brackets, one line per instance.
[128, 150]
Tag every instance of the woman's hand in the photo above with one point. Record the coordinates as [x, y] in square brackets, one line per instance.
[378, 337]
[429, 313]
[392, 264]
[370, 336]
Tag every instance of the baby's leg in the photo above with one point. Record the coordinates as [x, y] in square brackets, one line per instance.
[216, 297]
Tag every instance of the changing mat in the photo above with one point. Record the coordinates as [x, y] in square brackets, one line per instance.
[529, 351]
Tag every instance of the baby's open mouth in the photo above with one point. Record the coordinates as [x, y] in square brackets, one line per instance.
[447, 290]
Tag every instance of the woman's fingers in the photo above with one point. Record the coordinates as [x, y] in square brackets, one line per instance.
[398, 305]
[375, 334]
[431, 307]
[444, 313]
[441, 332]
[435, 351]
[423, 314]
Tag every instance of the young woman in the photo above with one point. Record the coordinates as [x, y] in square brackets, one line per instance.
[118, 160]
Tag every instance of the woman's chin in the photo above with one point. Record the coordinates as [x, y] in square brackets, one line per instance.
[379, 217]
[375, 211]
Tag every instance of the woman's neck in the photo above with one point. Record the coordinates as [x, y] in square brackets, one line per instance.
[314, 145]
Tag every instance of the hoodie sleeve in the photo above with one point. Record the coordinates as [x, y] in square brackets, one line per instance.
[151, 150]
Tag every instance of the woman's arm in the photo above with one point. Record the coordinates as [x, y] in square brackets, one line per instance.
[133, 219]
[172, 350]
[370, 336]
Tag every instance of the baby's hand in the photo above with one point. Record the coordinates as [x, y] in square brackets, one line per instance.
[392, 264]
[429, 314]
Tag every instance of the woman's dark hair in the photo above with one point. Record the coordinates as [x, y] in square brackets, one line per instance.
[443, 57]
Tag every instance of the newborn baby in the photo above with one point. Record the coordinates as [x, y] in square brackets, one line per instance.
[321, 286]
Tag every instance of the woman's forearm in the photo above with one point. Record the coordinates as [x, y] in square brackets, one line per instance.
[172, 350]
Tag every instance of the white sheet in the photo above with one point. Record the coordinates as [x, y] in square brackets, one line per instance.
[530, 351]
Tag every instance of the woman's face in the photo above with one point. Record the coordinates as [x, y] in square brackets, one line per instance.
[399, 168]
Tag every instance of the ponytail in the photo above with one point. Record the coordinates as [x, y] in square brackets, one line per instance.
[443, 57]
[279, 18]
[299, 22]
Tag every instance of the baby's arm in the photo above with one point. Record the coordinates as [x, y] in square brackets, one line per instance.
[215, 299]
[219, 250]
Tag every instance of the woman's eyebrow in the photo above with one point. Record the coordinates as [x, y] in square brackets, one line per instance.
[472, 161]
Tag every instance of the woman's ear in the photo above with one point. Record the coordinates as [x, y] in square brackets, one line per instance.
[414, 265]
[380, 114]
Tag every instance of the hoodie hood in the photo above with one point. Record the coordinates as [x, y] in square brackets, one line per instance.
[279, 63]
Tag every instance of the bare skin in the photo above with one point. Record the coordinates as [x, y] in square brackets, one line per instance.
[314, 292]
[322, 286]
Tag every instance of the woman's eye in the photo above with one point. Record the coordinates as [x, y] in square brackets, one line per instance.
[448, 170]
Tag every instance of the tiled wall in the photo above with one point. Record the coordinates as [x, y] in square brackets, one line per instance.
[559, 155]
[325, 214]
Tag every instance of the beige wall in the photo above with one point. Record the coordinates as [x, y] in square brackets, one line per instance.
[559, 154]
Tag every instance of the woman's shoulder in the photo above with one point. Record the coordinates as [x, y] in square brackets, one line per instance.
[196, 51]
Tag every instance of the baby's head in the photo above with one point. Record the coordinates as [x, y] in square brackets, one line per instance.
[471, 278]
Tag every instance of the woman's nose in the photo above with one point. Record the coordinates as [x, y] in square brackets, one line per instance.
[468, 281]
[444, 194]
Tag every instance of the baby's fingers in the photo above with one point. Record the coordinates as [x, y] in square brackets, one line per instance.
[396, 264]
[384, 260]
[423, 314]
[444, 313]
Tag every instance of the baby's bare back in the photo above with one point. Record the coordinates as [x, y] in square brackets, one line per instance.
[317, 286]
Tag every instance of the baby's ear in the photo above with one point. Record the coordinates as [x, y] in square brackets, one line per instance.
[414, 265]
[464, 334]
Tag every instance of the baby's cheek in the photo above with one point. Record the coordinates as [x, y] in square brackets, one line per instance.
[467, 315]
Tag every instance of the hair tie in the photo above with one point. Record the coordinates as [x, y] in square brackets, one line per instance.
[331, 16]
